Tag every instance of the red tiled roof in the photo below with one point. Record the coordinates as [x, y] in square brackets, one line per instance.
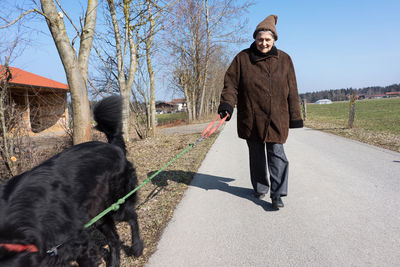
[168, 103]
[179, 100]
[22, 77]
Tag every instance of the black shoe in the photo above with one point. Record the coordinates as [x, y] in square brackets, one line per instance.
[277, 202]
[259, 195]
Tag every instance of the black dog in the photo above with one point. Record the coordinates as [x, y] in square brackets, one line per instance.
[49, 205]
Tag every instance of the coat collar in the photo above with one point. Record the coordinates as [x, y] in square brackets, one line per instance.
[256, 55]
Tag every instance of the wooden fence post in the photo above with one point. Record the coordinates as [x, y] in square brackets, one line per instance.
[352, 112]
[304, 108]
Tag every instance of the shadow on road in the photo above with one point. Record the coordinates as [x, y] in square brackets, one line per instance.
[206, 182]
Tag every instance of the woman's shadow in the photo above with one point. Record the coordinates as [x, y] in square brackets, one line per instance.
[206, 182]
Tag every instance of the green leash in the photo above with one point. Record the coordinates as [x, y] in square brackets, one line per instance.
[116, 205]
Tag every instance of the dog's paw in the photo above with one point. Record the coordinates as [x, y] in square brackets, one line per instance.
[138, 248]
[135, 250]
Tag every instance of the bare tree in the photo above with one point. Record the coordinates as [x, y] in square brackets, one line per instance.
[156, 13]
[184, 39]
[197, 29]
[125, 48]
[129, 20]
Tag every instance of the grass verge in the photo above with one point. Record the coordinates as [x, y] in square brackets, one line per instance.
[377, 122]
[169, 118]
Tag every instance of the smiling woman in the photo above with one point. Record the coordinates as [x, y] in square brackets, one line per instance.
[262, 83]
[265, 41]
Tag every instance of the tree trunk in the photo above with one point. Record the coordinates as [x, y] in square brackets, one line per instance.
[87, 36]
[205, 72]
[125, 81]
[188, 100]
[6, 148]
[149, 44]
[194, 108]
[125, 94]
[76, 70]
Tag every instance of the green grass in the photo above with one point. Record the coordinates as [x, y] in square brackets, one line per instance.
[379, 115]
[170, 117]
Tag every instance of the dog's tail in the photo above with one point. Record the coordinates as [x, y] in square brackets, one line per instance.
[108, 115]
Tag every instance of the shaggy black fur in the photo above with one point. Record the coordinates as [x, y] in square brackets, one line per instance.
[51, 203]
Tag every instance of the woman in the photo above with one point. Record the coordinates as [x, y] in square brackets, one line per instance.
[261, 81]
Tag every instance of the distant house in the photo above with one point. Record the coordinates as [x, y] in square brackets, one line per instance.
[323, 101]
[363, 96]
[180, 102]
[41, 102]
[376, 96]
[165, 107]
[393, 94]
[174, 106]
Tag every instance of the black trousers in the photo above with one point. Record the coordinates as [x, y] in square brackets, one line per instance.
[278, 167]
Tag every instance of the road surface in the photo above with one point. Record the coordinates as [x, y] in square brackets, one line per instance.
[342, 209]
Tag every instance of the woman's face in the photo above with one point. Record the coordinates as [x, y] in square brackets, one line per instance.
[264, 41]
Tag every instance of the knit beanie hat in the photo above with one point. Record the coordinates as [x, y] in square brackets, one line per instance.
[267, 24]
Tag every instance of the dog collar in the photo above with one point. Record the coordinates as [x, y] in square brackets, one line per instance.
[19, 247]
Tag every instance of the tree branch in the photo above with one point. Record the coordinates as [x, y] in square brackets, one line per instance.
[21, 16]
[95, 88]
[105, 62]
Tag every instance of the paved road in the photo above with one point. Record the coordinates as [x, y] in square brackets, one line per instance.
[343, 208]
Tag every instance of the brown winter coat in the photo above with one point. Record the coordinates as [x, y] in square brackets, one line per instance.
[264, 89]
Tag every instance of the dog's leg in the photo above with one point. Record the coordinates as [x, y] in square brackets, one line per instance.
[86, 261]
[110, 232]
[89, 257]
[137, 243]
[130, 216]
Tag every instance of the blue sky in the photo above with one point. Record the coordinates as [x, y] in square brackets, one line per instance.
[333, 44]
[338, 44]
